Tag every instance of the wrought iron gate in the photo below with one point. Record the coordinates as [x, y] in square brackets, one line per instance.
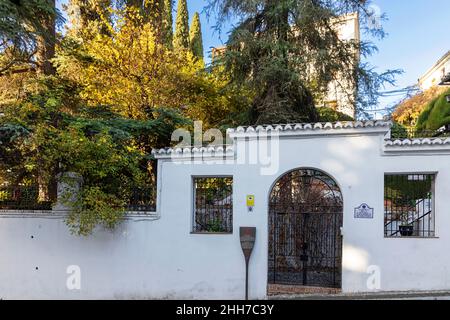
[305, 216]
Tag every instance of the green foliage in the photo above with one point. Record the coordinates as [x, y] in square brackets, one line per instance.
[330, 115]
[435, 115]
[87, 17]
[181, 38]
[398, 131]
[93, 208]
[407, 112]
[119, 91]
[195, 37]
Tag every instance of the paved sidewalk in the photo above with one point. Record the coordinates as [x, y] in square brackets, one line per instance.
[410, 295]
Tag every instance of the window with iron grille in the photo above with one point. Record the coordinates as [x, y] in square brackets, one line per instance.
[409, 205]
[213, 205]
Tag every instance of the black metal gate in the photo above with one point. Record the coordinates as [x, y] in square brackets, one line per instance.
[305, 244]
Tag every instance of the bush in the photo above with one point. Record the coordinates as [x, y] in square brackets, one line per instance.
[330, 115]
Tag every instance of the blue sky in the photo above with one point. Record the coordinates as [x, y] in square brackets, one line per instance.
[418, 35]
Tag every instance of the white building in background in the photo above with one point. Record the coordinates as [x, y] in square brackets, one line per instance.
[433, 77]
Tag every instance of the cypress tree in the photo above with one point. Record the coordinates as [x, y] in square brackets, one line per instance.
[181, 39]
[168, 23]
[195, 37]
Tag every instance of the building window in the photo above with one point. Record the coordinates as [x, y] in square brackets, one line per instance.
[213, 205]
[409, 205]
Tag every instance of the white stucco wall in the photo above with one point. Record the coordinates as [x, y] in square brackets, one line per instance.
[146, 258]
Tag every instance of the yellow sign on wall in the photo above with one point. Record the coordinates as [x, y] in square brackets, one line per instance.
[250, 200]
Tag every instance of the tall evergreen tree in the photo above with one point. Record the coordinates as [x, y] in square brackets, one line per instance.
[181, 38]
[168, 23]
[288, 51]
[195, 37]
[153, 12]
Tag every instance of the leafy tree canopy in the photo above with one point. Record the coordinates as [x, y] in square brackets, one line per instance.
[181, 38]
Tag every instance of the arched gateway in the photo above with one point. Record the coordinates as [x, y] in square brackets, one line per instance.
[305, 216]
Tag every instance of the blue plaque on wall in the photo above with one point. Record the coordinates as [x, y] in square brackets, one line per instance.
[363, 212]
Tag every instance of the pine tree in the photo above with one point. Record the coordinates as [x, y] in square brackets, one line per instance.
[168, 23]
[195, 37]
[181, 39]
[150, 11]
[289, 51]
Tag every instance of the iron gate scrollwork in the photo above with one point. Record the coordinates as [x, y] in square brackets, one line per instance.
[305, 216]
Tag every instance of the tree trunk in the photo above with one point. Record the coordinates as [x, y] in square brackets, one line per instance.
[46, 44]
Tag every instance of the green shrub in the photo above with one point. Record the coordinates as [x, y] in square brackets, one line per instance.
[435, 115]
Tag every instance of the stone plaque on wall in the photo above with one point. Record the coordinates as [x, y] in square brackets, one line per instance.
[363, 212]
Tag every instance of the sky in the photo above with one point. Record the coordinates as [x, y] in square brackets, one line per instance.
[418, 34]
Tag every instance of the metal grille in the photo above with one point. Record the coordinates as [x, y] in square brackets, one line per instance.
[305, 216]
[22, 198]
[142, 199]
[408, 205]
[213, 205]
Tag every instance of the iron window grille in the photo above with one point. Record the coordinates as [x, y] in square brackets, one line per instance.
[23, 197]
[213, 205]
[409, 205]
